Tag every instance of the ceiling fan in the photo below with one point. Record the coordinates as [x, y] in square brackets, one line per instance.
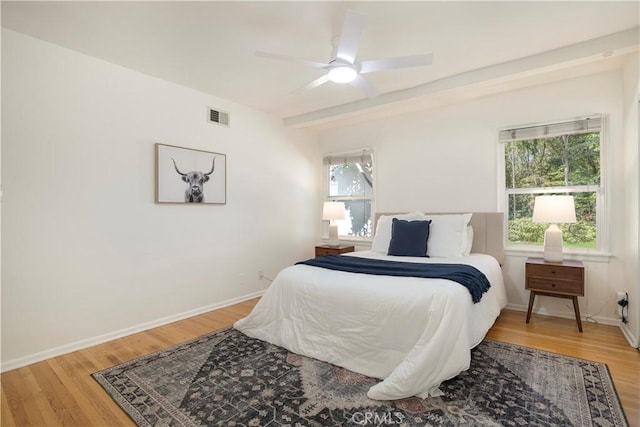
[343, 67]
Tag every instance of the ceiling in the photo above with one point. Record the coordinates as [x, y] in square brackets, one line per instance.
[209, 46]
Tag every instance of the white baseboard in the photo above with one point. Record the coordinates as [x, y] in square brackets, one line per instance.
[90, 342]
[612, 321]
[629, 336]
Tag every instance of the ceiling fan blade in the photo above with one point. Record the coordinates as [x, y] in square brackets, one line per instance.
[291, 59]
[350, 36]
[314, 84]
[397, 62]
[366, 87]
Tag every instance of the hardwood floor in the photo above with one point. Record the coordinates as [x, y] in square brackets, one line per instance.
[60, 391]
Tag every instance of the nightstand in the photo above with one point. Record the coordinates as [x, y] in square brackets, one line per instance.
[555, 279]
[323, 250]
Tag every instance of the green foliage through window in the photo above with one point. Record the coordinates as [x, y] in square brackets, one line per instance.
[566, 163]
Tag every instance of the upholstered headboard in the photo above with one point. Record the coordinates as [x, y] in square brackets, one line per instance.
[488, 232]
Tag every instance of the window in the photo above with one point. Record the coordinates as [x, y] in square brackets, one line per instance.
[349, 179]
[554, 158]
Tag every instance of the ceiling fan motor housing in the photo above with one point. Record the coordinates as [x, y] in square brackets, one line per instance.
[342, 72]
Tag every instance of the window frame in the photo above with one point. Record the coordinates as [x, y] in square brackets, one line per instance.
[327, 198]
[601, 251]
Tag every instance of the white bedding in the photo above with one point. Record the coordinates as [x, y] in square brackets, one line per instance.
[411, 332]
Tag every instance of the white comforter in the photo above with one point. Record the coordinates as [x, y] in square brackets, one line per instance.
[414, 333]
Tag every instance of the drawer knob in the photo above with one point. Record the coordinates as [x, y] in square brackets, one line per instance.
[553, 285]
[553, 272]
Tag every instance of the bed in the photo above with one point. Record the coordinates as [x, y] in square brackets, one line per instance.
[413, 333]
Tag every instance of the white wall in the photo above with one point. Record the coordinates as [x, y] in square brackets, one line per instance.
[87, 255]
[632, 192]
[445, 159]
[0, 190]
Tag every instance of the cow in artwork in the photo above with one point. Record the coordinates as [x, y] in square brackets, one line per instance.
[195, 183]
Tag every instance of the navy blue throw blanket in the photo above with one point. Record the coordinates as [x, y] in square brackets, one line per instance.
[470, 277]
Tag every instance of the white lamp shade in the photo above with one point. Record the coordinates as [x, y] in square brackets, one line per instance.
[332, 211]
[554, 209]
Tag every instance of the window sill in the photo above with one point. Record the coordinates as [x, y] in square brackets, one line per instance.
[365, 243]
[569, 254]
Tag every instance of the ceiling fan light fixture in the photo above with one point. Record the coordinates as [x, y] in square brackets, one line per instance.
[342, 74]
[343, 67]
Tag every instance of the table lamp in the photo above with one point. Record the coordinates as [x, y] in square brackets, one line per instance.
[332, 212]
[552, 210]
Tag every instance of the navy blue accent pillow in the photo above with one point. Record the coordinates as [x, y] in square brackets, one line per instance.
[409, 238]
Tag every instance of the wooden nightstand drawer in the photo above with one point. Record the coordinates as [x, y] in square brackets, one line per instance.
[323, 250]
[553, 271]
[568, 287]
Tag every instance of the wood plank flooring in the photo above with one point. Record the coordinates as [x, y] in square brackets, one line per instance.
[61, 392]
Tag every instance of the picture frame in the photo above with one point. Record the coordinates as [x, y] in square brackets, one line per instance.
[191, 176]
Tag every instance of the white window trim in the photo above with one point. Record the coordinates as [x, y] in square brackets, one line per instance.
[603, 204]
[359, 241]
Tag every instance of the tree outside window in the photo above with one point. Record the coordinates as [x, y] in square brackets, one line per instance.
[559, 158]
[350, 180]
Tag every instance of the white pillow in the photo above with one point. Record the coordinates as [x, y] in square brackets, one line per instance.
[469, 240]
[447, 235]
[383, 230]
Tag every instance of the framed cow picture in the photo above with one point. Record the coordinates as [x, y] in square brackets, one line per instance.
[185, 175]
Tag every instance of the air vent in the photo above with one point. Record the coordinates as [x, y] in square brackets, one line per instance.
[219, 117]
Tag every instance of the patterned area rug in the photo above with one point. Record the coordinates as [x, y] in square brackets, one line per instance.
[228, 379]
